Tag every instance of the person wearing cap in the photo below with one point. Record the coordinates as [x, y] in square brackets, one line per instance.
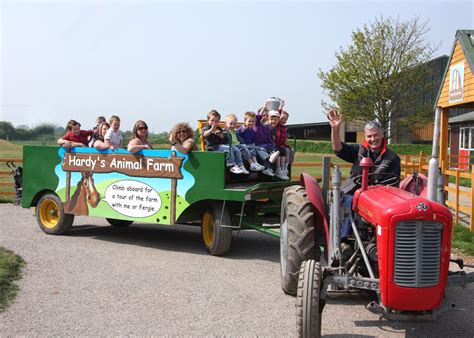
[265, 140]
[386, 164]
[274, 117]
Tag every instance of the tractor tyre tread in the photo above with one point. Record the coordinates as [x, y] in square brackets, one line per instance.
[301, 235]
[309, 306]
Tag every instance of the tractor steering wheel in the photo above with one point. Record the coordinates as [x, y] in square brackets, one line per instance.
[358, 179]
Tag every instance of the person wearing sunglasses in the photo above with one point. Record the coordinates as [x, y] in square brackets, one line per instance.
[140, 138]
[182, 138]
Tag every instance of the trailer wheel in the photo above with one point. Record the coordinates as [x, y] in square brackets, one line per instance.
[216, 238]
[297, 237]
[309, 306]
[119, 223]
[50, 215]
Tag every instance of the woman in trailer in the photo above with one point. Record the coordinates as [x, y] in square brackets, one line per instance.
[182, 138]
[140, 138]
[97, 141]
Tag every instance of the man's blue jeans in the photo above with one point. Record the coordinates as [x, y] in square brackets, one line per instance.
[346, 228]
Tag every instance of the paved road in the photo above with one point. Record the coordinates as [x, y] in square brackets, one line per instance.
[156, 280]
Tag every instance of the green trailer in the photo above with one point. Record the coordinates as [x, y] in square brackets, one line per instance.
[153, 186]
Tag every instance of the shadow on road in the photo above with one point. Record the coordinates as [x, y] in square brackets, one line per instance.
[182, 238]
[455, 323]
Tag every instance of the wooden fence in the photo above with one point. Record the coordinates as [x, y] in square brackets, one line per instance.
[9, 182]
[459, 197]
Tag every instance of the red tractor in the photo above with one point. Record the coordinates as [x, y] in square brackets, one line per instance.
[400, 249]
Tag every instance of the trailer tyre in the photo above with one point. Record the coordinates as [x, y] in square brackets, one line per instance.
[119, 223]
[51, 217]
[216, 238]
[297, 236]
[309, 305]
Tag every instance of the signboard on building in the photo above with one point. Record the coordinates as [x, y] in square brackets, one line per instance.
[456, 82]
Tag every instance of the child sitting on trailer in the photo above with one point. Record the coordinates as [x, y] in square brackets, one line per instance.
[75, 137]
[264, 138]
[114, 137]
[280, 141]
[217, 140]
[247, 134]
[248, 154]
[279, 133]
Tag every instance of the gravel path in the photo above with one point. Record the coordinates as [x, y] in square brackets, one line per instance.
[156, 280]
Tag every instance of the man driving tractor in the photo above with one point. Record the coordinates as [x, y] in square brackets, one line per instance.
[386, 163]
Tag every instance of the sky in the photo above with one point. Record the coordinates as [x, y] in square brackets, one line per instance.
[170, 61]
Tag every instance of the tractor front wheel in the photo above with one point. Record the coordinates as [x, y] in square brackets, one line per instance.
[309, 306]
[50, 215]
[297, 236]
[216, 237]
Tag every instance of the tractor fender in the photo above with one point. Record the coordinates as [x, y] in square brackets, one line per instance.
[315, 196]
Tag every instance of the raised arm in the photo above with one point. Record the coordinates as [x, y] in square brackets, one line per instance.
[335, 120]
[209, 131]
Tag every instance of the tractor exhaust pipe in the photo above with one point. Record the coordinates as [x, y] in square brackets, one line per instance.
[366, 163]
[336, 217]
[433, 166]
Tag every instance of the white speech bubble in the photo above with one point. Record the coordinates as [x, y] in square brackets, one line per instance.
[133, 198]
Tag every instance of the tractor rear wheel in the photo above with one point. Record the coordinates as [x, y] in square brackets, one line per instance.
[309, 307]
[119, 223]
[297, 236]
[50, 215]
[217, 238]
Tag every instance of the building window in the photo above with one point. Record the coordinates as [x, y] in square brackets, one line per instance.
[466, 138]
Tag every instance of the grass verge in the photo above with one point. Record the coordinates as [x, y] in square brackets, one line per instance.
[10, 271]
[463, 240]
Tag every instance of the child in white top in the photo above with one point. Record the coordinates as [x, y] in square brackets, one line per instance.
[114, 137]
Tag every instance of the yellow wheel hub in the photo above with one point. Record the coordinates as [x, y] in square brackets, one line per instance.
[208, 229]
[49, 214]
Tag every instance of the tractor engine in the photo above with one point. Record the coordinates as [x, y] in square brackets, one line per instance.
[413, 246]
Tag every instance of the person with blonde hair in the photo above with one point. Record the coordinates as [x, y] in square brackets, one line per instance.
[114, 137]
[247, 154]
[182, 138]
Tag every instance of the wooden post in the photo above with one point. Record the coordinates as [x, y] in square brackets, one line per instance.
[457, 198]
[471, 214]
[407, 165]
[68, 187]
[446, 177]
[421, 163]
[174, 185]
[443, 137]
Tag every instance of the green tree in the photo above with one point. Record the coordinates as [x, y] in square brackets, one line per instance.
[6, 130]
[382, 75]
[43, 130]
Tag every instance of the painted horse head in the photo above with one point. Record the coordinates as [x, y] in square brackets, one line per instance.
[85, 193]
